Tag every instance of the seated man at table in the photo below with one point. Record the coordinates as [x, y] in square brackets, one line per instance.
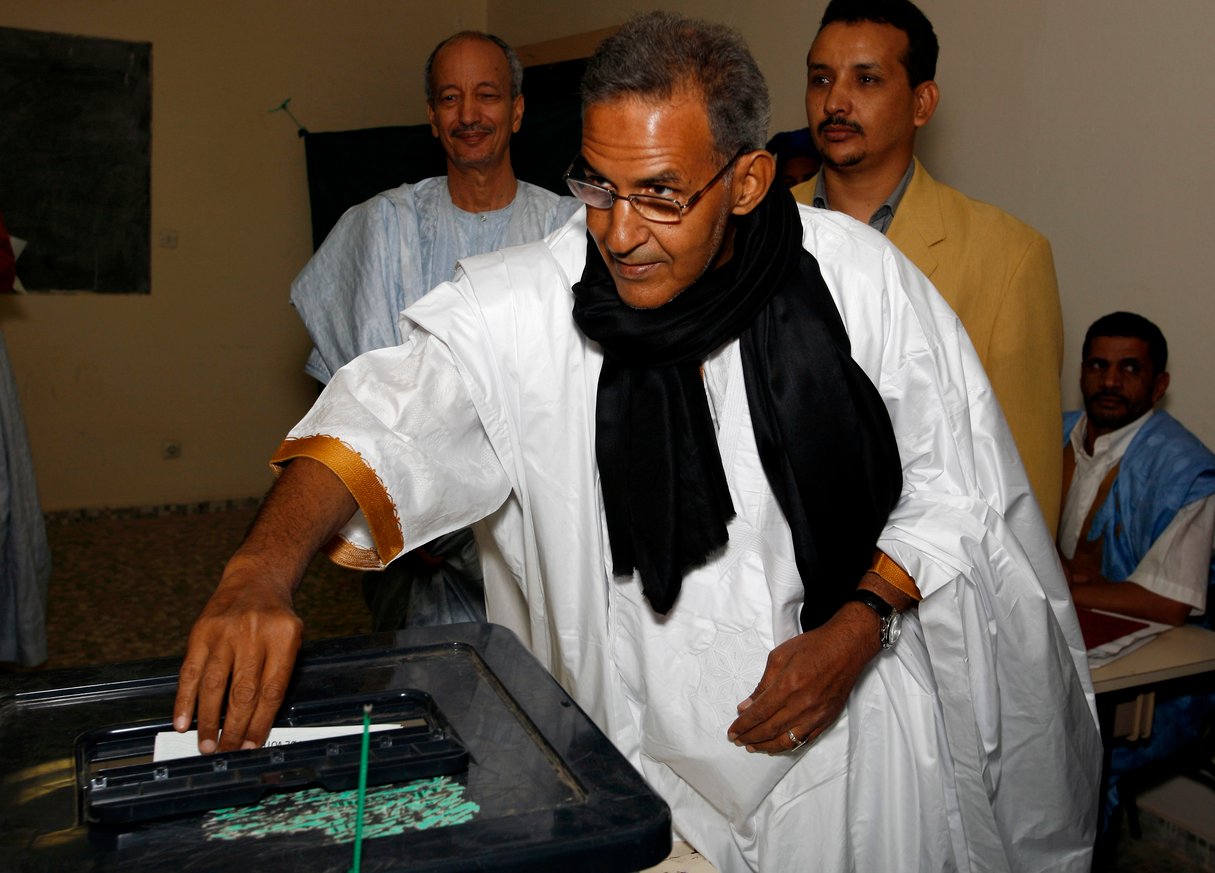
[1138, 515]
[1137, 487]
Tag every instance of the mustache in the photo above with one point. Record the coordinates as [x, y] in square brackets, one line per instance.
[839, 121]
[1108, 395]
[472, 128]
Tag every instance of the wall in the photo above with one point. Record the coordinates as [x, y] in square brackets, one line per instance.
[1092, 120]
[778, 33]
[1089, 119]
[212, 357]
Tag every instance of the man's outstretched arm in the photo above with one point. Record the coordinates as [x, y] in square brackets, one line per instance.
[248, 632]
[1094, 591]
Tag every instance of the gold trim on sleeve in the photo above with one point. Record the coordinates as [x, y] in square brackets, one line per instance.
[346, 554]
[367, 489]
[892, 573]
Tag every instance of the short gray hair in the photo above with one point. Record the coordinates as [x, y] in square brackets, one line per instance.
[516, 67]
[656, 54]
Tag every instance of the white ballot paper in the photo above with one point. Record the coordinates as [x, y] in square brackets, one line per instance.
[171, 744]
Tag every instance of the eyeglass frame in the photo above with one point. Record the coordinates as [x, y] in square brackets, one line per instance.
[633, 198]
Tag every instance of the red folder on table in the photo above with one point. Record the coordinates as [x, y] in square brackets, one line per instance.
[1099, 628]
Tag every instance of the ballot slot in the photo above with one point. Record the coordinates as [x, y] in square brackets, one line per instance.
[118, 781]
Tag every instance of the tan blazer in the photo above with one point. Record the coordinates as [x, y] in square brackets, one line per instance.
[999, 276]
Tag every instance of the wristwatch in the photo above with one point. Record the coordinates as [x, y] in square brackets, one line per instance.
[892, 619]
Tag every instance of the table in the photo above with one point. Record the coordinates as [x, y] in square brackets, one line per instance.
[1125, 689]
[1181, 651]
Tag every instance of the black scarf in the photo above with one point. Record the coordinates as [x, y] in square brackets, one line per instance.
[824, 436]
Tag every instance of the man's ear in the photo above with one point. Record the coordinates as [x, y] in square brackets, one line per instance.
[1160, 385]
[430, 116]
[516, 114]
[927, 95]
[753, 175]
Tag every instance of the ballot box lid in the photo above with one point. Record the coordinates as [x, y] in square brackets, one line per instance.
[544, 789]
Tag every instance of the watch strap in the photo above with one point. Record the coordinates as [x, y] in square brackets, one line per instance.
[873, 601]
[889, 619]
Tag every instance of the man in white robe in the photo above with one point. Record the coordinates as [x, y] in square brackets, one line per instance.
[970, 744]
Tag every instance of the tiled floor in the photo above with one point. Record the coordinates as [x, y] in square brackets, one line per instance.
[130, 588]
[1184, 802]
[1161, 849]
[1179, 818]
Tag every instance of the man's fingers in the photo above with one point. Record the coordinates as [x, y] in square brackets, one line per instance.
[790, 739]
[765, 730]
[789, 727]
[243, 696]
[772, 736]
[212, 689]
[787, 701]
[188, 678]
[764, 700]
[259, 681]
[275, 677]
[765, 717]
[241, 652]
[772, 671]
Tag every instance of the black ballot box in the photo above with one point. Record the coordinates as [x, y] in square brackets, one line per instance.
[536, 786]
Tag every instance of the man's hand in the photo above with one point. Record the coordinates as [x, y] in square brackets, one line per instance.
[248, 631]
[1079, 573]
[1094, 591]
[807, 682]
[244, 644]
[808, 678]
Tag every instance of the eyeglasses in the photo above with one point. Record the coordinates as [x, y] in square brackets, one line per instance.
[650, 207]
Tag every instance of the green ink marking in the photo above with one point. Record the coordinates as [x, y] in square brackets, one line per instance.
[358, 826]
[390, 810]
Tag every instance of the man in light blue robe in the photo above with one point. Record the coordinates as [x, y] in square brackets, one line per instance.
[386, 253]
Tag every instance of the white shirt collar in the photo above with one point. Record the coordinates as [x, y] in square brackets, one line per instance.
[1109, 447]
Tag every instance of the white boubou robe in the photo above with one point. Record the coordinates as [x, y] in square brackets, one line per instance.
[971, 745]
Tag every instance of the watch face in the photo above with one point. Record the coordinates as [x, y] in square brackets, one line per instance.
[894, 627]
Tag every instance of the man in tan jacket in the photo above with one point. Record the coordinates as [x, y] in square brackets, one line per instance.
[869, 89]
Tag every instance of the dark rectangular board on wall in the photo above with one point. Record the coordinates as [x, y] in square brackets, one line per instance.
[75, 159]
